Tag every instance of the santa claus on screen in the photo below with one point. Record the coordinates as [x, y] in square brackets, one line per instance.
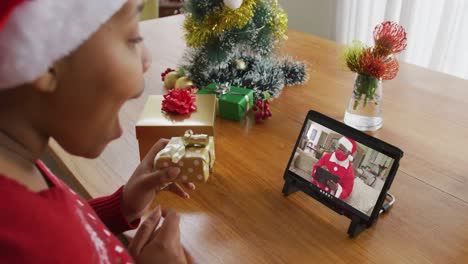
[338, 163]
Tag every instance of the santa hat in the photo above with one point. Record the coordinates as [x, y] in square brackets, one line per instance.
[34, 34]
[349, 144]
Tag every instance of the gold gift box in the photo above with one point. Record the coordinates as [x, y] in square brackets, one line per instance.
[193, 154]
[155, 124]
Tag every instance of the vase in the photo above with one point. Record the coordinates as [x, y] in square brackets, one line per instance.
[365, 109]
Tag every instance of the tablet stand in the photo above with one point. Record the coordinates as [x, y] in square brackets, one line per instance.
[357, 224]
[356, 227]
[289, 187]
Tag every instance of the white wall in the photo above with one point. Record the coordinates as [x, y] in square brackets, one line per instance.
[320, 129]
[315, 17]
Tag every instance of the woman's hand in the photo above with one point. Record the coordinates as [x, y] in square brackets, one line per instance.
[145, 182]
[161, 245]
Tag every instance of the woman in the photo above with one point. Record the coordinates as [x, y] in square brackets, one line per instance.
[66, 69]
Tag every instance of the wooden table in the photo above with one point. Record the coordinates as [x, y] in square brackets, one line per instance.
[240, 216]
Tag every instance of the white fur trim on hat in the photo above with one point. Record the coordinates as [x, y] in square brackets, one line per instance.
[346, 143]
[40, 32]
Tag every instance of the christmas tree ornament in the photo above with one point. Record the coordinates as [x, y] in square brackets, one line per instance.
[262, 110]
[164, 73]
[237, 46]
[170, 80]
[240, 64]
[233, 4]
[215, 21]
[183, 82]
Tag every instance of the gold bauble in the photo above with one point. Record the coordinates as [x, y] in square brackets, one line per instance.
[170, 80]
[183, 82]
[240, 64]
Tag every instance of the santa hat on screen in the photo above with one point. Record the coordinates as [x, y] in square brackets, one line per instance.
[350, 145]
[36, 33]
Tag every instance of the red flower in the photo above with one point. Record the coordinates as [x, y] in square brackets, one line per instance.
[372, 64]
[179, 101]
[390, 38]
[391, 68]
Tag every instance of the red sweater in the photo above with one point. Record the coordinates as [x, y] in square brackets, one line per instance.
[346, 176]
[58, 226]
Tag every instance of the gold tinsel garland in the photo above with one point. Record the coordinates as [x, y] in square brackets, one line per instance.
[279, 21]
[199, 33]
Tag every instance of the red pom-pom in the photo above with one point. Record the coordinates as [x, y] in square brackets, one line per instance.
[179, 101]
[163, 74]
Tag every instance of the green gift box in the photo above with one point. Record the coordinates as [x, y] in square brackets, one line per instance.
[233, 102]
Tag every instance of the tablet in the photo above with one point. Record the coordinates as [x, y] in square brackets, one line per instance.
[361, 168]
[323, 176]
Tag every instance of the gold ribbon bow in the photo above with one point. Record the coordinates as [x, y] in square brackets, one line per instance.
[176, 147]
[193, 140]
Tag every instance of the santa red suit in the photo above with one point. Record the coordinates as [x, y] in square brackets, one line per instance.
[340, 165]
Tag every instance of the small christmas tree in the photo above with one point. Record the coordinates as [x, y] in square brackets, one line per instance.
[233, 41]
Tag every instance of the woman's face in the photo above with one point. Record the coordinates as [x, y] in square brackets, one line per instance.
[94, 82]
[342, 153]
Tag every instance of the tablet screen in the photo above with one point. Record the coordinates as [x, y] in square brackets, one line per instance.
[360, 171]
